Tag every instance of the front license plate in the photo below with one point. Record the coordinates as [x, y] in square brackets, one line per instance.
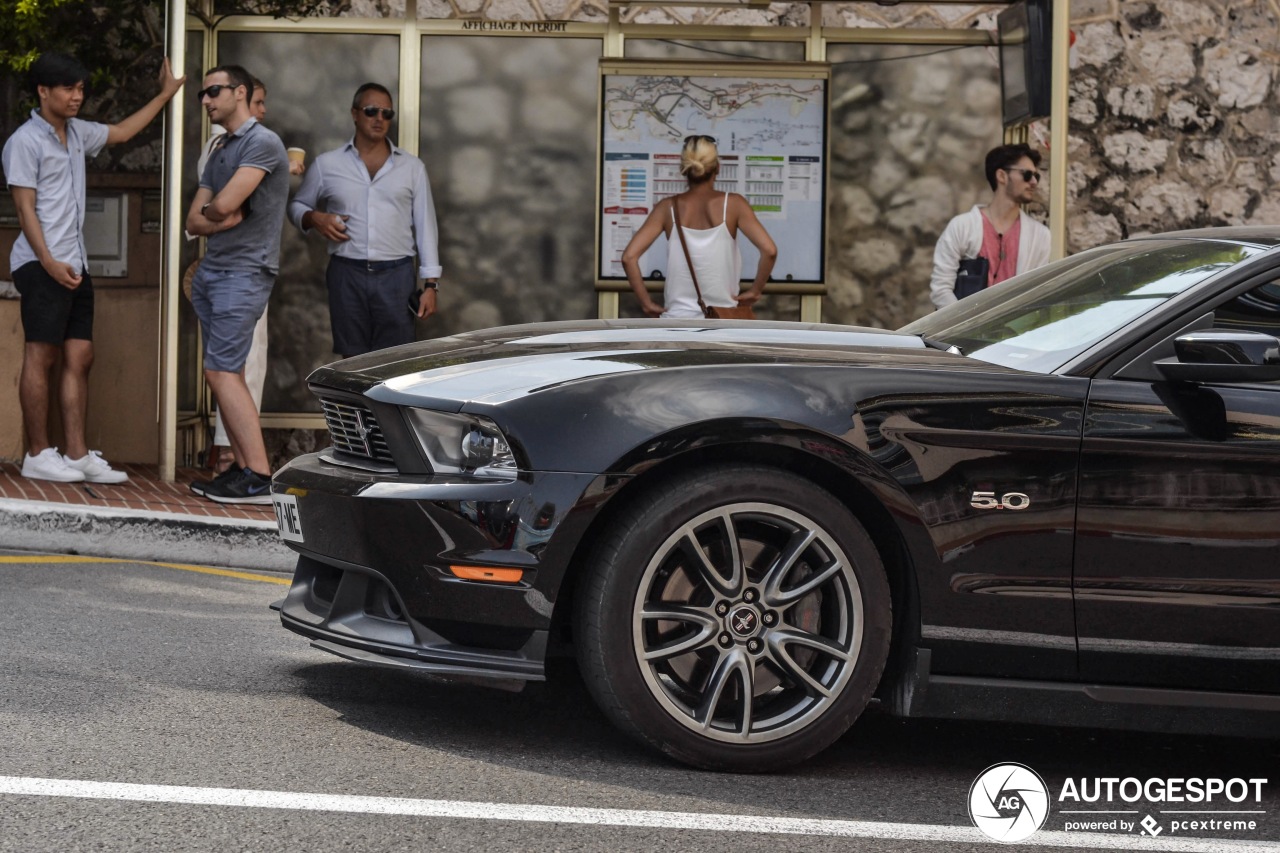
[287, 517]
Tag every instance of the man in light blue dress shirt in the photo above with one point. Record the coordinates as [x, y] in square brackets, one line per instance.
[372, 202]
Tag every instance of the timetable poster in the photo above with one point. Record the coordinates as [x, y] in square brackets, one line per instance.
[628, 198]
[769, 129]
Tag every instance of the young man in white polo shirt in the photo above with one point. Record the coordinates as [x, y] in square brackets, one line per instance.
[1002, 233]
[44, 163]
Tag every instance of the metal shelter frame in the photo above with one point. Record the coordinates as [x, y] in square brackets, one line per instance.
[613, 34]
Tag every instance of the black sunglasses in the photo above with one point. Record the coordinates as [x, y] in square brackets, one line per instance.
[1028, 175]
[387, 114]
[689, 140]
[214, 91]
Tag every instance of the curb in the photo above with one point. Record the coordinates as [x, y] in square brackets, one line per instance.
[143, 535]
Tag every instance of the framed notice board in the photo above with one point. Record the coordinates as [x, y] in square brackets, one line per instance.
[769, 121]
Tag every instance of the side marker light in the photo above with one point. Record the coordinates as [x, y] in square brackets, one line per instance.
[488, 574]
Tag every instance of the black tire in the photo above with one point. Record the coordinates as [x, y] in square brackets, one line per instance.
[669, 634]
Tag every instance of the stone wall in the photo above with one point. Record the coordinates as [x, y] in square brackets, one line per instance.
[508, 134]
[909, 128]
[1173, 118]
[1173, 125]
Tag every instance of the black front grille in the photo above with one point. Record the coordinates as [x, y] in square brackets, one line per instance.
[355, 430]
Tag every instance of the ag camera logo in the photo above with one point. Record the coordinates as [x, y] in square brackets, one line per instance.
[1008, 802]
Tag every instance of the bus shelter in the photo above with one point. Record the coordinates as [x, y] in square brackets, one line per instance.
[505, 104]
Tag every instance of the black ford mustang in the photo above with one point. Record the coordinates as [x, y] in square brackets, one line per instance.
[1056, 501]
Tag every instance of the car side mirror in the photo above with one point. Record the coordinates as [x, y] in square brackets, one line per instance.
[1223, 356]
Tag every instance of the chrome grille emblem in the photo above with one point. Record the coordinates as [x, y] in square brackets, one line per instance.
[354, 429]
[363, 430]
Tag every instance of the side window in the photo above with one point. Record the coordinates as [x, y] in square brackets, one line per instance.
[1258, 310]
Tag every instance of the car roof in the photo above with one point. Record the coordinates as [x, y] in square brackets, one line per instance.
[1262, 236]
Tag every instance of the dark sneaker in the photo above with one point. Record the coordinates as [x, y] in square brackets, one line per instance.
[246, 487]
[198, 486]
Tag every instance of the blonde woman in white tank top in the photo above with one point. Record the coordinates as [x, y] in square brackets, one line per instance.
[711, 220]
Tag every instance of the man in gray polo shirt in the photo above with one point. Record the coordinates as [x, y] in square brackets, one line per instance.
[44, 166]
[240, 209]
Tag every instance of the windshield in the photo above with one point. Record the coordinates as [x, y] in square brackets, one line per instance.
[1042, 319]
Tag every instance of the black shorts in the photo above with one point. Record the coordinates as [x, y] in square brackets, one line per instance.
[51, 313]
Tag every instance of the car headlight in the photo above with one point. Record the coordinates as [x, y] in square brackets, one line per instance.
[463, 444]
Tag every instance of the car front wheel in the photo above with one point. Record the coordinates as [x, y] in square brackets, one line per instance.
[736, 618]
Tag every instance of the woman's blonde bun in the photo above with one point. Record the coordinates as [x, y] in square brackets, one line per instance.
[699, 158]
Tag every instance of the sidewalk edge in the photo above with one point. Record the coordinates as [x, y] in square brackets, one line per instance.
[143, 535]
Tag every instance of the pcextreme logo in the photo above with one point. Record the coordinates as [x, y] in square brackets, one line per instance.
[1010, 802]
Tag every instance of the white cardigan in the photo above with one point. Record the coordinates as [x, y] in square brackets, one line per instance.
[963, 239]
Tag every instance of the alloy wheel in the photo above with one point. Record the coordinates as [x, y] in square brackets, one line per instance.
[748, 622]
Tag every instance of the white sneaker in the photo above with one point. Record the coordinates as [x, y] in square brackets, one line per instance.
[49, 464]
[96, 469]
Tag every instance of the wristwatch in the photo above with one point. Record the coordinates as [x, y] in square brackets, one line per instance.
[431, 285]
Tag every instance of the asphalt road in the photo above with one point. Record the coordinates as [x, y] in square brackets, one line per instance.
[145, 707]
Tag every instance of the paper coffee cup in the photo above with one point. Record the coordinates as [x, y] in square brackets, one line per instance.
[297, 155]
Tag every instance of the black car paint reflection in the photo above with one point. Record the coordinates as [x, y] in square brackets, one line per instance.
[1140, 555]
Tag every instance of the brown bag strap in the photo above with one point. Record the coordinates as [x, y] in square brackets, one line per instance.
[675, 211]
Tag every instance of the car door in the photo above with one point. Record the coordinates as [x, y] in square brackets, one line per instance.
[1177, 563]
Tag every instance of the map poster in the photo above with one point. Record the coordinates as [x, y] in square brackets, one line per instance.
[769, 123]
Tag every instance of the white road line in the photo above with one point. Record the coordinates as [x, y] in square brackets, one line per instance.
[28, 786]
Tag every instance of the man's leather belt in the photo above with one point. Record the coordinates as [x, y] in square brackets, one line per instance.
[371, 266]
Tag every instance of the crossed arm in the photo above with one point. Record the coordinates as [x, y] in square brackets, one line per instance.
[211, 213]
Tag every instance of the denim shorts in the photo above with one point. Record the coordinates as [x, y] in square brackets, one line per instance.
[229, 304]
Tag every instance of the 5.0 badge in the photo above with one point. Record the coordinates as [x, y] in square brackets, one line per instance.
[990, 500]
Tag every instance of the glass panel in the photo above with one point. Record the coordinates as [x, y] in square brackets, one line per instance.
[714, 50]
[910, 128]
[1255, 311]
[188, 326]
[509, 139]
[310, 78]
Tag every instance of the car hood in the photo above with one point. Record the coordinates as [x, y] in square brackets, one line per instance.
[494, 365]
